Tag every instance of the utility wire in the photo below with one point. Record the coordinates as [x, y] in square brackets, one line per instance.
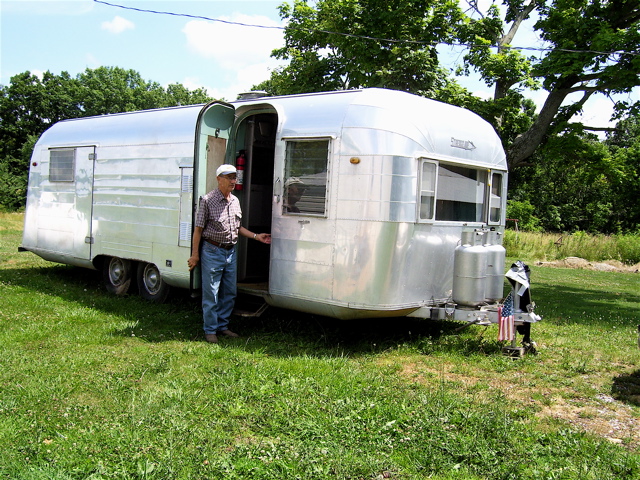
[364, 37]
[198, 17]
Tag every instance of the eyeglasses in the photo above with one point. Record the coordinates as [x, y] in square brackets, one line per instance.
[230, 176]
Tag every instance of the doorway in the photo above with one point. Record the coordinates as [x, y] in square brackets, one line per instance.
[256, 135]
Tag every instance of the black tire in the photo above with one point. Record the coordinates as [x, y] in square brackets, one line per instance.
[117, 274]
[150, 283]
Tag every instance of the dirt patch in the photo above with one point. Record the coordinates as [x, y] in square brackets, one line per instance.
[601, 415]
[606, 266]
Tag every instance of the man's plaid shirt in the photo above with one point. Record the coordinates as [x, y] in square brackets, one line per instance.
[219, 218]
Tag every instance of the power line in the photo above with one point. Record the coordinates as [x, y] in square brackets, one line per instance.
[364, 37]
[198, 17]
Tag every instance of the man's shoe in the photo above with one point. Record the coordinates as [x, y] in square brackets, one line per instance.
[229, 333]
[211, 337]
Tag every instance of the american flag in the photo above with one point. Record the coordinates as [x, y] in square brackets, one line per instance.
[506, 325]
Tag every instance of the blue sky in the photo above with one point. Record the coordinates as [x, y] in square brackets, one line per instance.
[77, 34]
[72, 35]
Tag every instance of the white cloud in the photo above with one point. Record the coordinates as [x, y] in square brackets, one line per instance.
[228, 93]
[190, 83]
[234, 46]
[117, 25]
[242, 54]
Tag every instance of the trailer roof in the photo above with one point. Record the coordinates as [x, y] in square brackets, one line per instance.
[163, 125]
[403, 124]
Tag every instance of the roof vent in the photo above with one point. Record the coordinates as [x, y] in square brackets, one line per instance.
[252, 95]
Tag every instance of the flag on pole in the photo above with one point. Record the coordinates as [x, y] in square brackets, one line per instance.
[506, 321]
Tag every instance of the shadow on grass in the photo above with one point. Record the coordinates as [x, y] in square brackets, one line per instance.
[286, 333]
[276, 332]
[177, 319]
[626, 388]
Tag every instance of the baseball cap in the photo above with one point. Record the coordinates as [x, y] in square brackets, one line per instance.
[294, 181]
[225, 169]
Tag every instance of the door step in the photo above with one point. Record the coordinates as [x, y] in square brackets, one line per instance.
[249, 306]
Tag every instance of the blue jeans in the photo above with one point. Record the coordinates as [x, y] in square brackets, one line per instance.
[219, 276]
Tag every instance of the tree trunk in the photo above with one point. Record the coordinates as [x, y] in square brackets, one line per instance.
[526, 143]
[502, 85]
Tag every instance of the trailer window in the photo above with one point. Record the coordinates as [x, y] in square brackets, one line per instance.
[495, 198]
[461, 193]
[427, 190]
[62, 165]
[305, 186]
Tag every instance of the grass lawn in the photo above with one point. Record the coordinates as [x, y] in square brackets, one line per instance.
[94, 386]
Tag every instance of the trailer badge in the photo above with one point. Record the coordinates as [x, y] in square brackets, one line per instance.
[464, 144]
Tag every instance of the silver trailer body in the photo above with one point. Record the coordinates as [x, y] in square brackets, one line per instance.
[388, 185]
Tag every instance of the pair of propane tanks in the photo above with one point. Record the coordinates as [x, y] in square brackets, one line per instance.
[478, 268]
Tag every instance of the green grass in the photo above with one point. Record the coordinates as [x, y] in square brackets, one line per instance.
[98, 387]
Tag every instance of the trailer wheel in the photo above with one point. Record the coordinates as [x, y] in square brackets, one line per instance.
[150, 283]
[117, 274]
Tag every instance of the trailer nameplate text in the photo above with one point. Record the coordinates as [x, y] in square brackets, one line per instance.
[464, 144]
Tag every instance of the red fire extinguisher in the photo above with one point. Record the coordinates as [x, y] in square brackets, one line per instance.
[240, 164]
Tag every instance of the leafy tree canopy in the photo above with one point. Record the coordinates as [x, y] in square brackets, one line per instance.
[29, 105]
[591, 46]
[346, 44]
[595, 49]
[578, 182]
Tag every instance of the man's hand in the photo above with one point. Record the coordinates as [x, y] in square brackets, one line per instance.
[264, 238]
[193, 262]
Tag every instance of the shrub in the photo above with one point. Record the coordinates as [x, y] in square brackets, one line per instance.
[13, 189]
[523, 212]
[629, 248]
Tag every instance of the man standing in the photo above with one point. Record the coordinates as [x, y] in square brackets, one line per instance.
[217, 227]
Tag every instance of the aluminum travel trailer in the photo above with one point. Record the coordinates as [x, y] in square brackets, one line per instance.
[380, 203]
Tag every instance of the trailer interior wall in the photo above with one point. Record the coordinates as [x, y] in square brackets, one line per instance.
[255, 134]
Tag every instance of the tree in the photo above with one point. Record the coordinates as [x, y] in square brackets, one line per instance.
[178, 94]
[114, 90]
[624, 143]
[29, 105]
[346, 44]
[592, 48]
[577, 182]
[572, 186]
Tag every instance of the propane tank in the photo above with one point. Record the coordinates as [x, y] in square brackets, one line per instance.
[240, 164]
[470, 270]
[496, 255]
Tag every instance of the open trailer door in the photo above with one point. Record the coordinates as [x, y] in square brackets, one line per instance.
[212, 137]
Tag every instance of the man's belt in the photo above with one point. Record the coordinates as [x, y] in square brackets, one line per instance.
[226, 246]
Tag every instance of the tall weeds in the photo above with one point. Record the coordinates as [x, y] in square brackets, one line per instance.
[595, 248]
